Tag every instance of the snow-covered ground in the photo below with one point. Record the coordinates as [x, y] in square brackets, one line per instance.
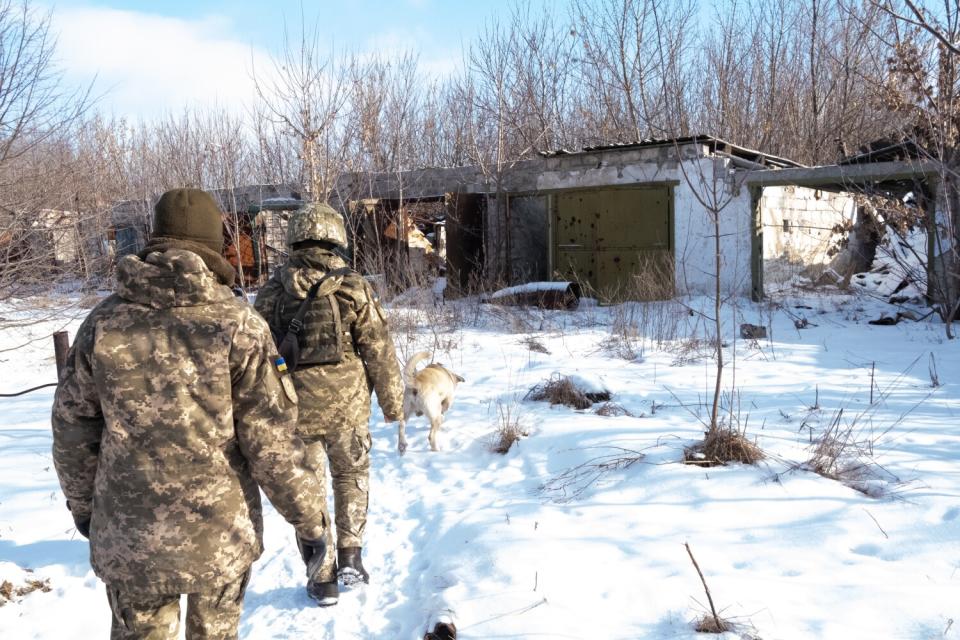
[572, 534]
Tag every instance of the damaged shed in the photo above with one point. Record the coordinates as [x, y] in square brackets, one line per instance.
[631, 221]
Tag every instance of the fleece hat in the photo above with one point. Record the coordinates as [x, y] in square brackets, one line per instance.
[189, 214]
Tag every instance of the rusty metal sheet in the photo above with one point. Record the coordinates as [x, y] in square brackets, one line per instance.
[616, 241]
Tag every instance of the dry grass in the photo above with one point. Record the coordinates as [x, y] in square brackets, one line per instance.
[516, 320]
[560, 390]
[693, 349]
[534, 344]
[743, 628]
[416, 326]
[8, 592]
[844, 452]
[831, 453]
[932, 369]
[509, 430]
[722, 445]
[709, 624]
[622, 347]
[612, 409]
[638, 326]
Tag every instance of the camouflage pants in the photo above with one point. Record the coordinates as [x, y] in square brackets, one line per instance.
[347, 450]
[212, 616]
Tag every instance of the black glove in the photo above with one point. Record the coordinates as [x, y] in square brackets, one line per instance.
[83, 525]
[312, 552]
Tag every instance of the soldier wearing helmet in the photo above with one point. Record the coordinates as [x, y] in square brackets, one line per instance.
[344, 349]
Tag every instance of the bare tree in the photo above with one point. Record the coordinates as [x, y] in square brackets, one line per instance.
[633, 55]
[37, 112]
[304, 93]
[922, 87]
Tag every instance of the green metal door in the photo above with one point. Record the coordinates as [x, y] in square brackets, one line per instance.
[616, 242]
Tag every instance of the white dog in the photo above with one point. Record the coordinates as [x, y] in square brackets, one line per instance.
[428, 392]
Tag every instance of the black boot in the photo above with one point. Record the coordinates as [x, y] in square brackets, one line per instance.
[325, 593]
[351, 566]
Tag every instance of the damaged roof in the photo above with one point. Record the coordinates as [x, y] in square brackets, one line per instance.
[886, 150]
[715, 144]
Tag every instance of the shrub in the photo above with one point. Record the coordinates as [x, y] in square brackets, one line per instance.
[561, 390]
[509, 429]
[612, 409]
[722, 445]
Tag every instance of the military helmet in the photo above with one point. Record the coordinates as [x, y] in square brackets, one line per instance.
[316, 221]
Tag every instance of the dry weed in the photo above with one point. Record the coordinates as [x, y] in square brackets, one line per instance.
[416, 325]
[693, 349]
[518, 319]
[612, 409]
[621, 347]
[534, 344]
[722, 445]
[509, 430]
[845, 453]
[8, 592]
[932, 369]
[560, 390]
[637, 326]
[710, 624]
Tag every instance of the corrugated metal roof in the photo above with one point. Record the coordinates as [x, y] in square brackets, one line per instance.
[716, 145]
[886, 150]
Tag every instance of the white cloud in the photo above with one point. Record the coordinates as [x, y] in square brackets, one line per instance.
[147, 64]
[393, 43]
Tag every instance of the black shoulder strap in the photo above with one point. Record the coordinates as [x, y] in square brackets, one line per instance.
[296, 325]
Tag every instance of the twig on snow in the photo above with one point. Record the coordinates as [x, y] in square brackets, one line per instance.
[878, 525]
[720, 625]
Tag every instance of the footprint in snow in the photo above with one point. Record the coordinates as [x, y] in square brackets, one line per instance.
[421, 565]
[867, 550]
[445, 581]
[876, 551]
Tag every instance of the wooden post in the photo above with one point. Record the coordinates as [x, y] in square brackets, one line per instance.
[61, 345]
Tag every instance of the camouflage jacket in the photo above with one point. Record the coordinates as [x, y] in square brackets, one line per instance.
[338, 390]
[169, 414]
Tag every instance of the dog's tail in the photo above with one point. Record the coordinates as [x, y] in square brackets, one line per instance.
[411, 369]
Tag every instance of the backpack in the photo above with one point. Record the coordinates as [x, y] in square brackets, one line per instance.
[309, 332]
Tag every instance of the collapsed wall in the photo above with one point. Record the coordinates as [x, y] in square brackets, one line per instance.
[802, 233]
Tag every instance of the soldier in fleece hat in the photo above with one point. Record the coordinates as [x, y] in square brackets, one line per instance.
[170, 416]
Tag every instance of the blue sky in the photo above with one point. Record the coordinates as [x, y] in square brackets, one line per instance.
[155, 57]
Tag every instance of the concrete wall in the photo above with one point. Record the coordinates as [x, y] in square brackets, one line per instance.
[710, 181]
[694, 247]
[798, 231]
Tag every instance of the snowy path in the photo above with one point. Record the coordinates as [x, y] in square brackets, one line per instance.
[418, 537]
